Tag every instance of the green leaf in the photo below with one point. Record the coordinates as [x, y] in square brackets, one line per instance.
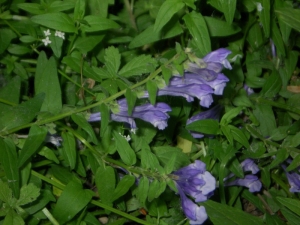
[112, 60]
[272, 85]
[152, 90]
[35, 138]
[57, 21]
[28, 194]
[165, 13]
[264, 114]
[98, 24]
[264, 16]
[20, 114]
[239, 136]
[171, 29]
[131, 99]
[10, 92]
[56, 45]
[148, 159]
[220, 28]
[48, 154]
[6, 35]
[5, 192]
[46, 81]
[44, 198]
[281, 156]
[232, 113]
[228, 8]
[12, 218]
[142, 191]
[80, 120]
[221, 214]
[126, 152]
[79, 9]
[198, 29]
[169, 167]
[58, 6]
[33, 8]
[277, 38]
[106, 182]
[292, 218]
[69, 149]
[208, 126]
[152, 192]
[123, 186]
[9, 161]
[18, 49]
[72, 200]
[290, 17]
[86, 44]
[138, 65]
[291, 204]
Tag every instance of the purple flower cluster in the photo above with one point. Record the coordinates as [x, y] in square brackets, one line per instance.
[250, 181]
[193, 180]
[154, 114]
[201, 79]
[293, 178]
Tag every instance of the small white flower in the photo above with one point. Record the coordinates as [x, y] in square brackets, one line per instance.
[258, 6]
[127, 138]
[133, 131]
[46, 41]
[60, 34]
[47, 32]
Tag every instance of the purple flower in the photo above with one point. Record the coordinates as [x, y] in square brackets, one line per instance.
[218, 56]
[195, 213]
[250, 181]
[218, 84]
[195, 181]
[294, 181]
[212, 113]
[248, 89]
[154, 114]
[249, 165]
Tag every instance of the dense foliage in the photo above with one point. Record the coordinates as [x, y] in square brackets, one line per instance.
[149, 112]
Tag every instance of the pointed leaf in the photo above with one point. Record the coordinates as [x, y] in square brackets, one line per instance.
[126, 152]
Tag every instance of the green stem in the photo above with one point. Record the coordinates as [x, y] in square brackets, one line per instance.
[69, 113]
[11, 27]
[128, 216]
[50, 217]
[94, 202]
[7, 102]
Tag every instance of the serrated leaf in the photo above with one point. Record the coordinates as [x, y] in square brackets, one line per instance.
[106, 182]
[131, 99]
[123, 186]
[228, 8]
[142, 191]
[28, 193]
[69, 149]
[112, 60]
[207, 126]
[46, 81]
[198, 29]
[272, 85]
[138, 66]
[292, 204]
[220, 28]
[165, 13]
[126, 152]
[152, 90]
[9, 161]
[239, 136]
[35, 138]
[57, 21]
[96, 23]
[82, 123]
[72, 200]
[5, 192]
[221, 214]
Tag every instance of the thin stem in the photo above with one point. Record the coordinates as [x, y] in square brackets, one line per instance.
[7, 102]
[11, 27]
[109, 99]
[130, 12]
[50, 216]
[46, 179]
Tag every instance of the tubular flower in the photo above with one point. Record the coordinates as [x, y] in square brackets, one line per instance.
[250, 181]
[195, 181]
[154, 114]
[293, 178]
[213, 113]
